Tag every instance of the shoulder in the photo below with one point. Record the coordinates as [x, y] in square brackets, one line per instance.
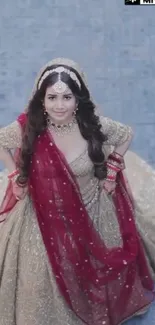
[21, 119]
[105, 121]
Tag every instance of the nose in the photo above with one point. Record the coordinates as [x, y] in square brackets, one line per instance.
[59, 105]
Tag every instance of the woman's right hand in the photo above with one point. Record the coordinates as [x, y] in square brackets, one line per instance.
[19, 192]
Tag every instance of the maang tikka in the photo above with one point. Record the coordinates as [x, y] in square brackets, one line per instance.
[59, 86]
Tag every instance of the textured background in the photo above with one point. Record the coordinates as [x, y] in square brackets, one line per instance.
[115, 44]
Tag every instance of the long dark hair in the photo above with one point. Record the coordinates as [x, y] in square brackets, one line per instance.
[88, 122]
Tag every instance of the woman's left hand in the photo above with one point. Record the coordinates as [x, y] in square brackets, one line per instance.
[109, 186]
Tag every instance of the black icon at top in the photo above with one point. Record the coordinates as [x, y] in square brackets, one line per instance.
[132, 2]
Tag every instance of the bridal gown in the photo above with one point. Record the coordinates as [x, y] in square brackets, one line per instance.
[28, 291]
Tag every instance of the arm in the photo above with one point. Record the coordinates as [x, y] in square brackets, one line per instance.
[10, 138]
[118, 135]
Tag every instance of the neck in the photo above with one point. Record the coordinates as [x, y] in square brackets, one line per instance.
[65, 122]
[65, 128]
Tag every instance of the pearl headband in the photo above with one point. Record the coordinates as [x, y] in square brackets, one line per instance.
[59, 70]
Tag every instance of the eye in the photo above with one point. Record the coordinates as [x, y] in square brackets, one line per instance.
[67, 97]
[52, 97]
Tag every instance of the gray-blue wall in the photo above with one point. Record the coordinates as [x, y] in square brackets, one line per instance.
[114, 43]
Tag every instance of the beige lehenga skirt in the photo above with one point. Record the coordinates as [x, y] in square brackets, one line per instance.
[28, 290]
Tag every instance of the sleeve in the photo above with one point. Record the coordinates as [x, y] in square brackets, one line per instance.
[11, 136]
[116, 132]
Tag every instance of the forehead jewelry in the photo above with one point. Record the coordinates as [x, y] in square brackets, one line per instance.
[60, 85]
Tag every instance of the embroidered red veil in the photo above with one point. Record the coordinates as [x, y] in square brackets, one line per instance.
[101, 285]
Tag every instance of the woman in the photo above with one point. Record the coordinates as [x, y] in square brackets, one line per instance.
[70, 252]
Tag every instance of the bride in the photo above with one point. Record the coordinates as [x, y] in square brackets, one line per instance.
[77, 211]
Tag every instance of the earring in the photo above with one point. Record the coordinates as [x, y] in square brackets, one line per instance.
[45, 113]
[75, 111]
[46, 116]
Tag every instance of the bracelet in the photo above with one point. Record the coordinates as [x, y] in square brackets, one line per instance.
[111, 175]
[117, 155]
[116, 161]
[14, 173]
[21, 184]
[113, 166]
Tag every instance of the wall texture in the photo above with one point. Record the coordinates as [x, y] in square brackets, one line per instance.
[114, 43]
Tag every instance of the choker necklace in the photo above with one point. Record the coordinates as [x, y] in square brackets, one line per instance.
[62, 129]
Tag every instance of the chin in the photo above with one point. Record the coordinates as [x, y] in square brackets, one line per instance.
[58, 118]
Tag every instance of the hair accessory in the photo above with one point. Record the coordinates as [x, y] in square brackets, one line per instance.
[59, 84]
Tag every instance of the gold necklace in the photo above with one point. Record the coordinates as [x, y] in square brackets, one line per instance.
[62, 129]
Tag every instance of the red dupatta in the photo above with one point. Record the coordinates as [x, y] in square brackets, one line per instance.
[9, 200]
[96, 282]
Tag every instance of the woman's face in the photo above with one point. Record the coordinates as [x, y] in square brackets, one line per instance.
[60, 106]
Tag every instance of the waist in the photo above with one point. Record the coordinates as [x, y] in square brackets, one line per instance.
[90, 192]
